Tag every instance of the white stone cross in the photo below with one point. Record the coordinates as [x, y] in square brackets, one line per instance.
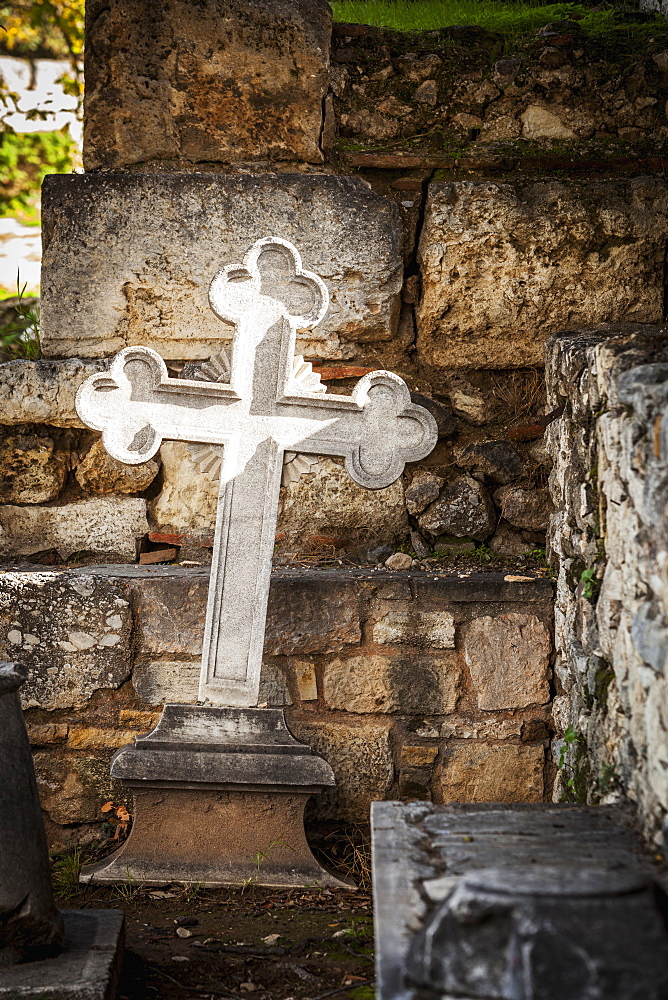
[259, 414]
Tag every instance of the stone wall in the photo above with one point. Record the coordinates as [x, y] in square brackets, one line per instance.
[609, 538]
[454, 189]
[411, 686]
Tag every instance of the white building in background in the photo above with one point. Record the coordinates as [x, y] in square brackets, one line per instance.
[35, 84]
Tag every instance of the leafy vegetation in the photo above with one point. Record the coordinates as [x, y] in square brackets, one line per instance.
[506, 16]
[52, 29]
[19, 335]
[26, 158]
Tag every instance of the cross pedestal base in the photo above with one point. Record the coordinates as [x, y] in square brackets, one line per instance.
[219, 800]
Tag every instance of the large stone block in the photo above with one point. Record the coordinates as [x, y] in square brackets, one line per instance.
[128, 258]
[160, 681]
[72, 632]
[33, 468]
[412, 684]
[105, 526]
[490, 772]
[361, 758]
[314, 615]
[210, 81]
[326, 503]
[508, 657]
[505, 264]
[43, 391]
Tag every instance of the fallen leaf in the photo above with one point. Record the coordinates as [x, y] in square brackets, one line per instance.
[180, 958]
[248, 987]
[123, 814]
[107, 807]
[271, 938]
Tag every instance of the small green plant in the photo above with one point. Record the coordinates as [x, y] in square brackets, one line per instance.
[129, 889]
[65, 873]
[573, 763]
[607, 779]
[539, 555]
[19, 337]
[483, 554]
[590, 583]
[259, 859]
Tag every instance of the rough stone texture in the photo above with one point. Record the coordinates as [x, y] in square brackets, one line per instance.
[71, 633]
[370, 697]
[105, 527]
[508, 657]
[410, 684]
[497, 459]
[608, 536]
[525, 508]
[434, 629]
[456, 887]
[43, 391]
[98, 472]
[188, 499]
[490, 772]
[88, 967]
[506, 264]
[211, 82]
[128, 258]
[327, 503]
[464, 509]
[361, 759]
[33, 468]
[423, 490]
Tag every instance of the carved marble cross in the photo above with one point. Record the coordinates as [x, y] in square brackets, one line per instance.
[260, 413]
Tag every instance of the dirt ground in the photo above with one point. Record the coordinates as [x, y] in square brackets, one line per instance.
[185, 942]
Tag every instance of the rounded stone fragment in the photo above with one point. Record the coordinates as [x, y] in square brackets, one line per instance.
[464, 509]
[529, 509]
[33, 468]
[424, 489]
[400, 560]
[497, 459]
[98, 472]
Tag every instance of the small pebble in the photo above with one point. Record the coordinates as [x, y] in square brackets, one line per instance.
[400, 560]
[183, 932]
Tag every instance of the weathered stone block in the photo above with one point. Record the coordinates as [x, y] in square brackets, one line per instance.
[72, 787]
[105, 526]
[98, 472]
[99, 738]
[71, 632]
[188, 500]
[307, 683]
[222, 82]
[33, 468]
[311, 616]
[160, 681]
[506, 264]
[524, 508]
[490, 772]
[361, 759]
[464, 509]
[432, 629]
[316, 615]
[508, 657]
[128, 258]
[327, 503]
[43, 391]
[411, 684]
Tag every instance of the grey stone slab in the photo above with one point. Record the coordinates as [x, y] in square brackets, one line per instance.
[128, 258]
[87, 968]
[437, 869]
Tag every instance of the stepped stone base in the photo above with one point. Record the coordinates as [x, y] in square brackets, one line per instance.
[87, 968]
[219, 800]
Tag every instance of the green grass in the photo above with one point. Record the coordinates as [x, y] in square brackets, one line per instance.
[495, 15]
